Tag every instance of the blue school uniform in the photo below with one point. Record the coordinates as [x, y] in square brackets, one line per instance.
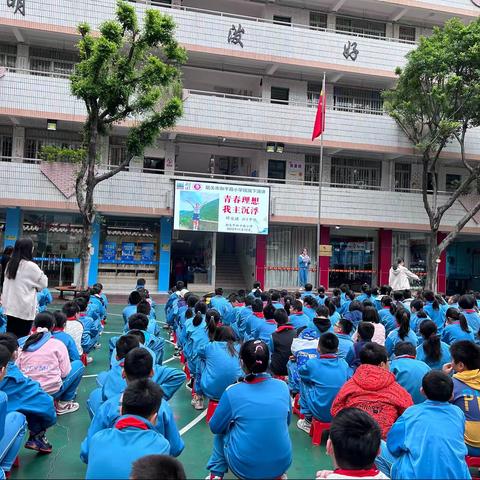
[304, 347]
[97, 308]
[409, 373]
[3, 321]
[196, 337]
[264, 330]
[125, 446]
[473, 320]
[108, 414]
[128, 311]
[415, 322]
[68, 341]
[251, 324]
[387, 319]
[321, 379]
[444, 356]
[219, 369]
[91, 332]
[393, 338]
[230, 317]
[427, 441]
[221, 305]
[345, 347]
[453, 333]
[437, 316]
[344, 307]
[44, 298]
[299, 320]
[245, 412]
[362, 297]
[334, 318]
[309, 312]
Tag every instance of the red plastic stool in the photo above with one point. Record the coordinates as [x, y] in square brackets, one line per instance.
[296, 406]
[473, 462]
[317, 429]
[187, 372]
[212, 405]
[16, 463]
[174, 334]
[182, 358]
[83, 358]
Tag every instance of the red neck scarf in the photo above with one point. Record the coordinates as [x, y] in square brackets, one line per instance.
[257, 380]
[284, 327]
[372, 472]
[131, 422]
[406, 356]
[258, 314]
[328, 355]
[57, 329]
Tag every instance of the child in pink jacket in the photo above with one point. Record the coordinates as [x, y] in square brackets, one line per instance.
[45, 359]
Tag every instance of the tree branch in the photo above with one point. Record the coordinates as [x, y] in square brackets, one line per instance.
[112, 172]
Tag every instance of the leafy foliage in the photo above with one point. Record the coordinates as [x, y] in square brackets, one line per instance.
[52, 153]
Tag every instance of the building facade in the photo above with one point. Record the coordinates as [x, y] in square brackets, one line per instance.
[251, 86]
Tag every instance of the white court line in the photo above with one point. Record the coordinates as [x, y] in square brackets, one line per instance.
[196, 420]
[171, 359]
[114, 315]
[90, 376]
[113, 333]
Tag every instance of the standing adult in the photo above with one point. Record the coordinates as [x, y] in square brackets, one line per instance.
[7, 253]
[23, 279]
[303, 266]
[400, 276]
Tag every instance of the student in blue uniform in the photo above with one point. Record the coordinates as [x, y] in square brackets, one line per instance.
[99, 287]
[343, 329]
[354, 312]
[44, 299]
[280, 343]
[255, 318]
[467, 306]
[310, 306]
[433, 309]
[112, 451]
[320, 380]
[308, 292]
[249, 410]
[321, 297]
[220, 303]
[402, 333]
[409, 371]
[59, 333]
[366, 293]
[345, 305]
[264, 329]
[297, 318]
[275, 298]
[426, 441]
[387, 314]
[333, 314]
[153, 327]
[27, 397]
[133, 300]
[157, 466]
[241, 317]
[138, 365]
[432, 351]
[417, 314]
[179, 324]
[365, 334]
[91, 327]
[456, 327]
[96, 307]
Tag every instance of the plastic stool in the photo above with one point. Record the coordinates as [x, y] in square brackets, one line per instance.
[296, 406]
[473, 462]
[212, 406]
[182, 358]
[187, 371]
[16, 463]
[317, 429]
[83, 358]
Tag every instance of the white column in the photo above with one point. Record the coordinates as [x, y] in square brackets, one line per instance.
[23, 61]
[170, 158]
[18, 147]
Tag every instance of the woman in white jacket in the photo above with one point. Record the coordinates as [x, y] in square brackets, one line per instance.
[23, 279]
[400, 276]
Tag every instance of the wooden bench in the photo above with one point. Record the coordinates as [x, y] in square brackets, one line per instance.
[69, 289]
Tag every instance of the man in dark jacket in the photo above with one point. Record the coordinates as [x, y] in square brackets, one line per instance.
[281, 343]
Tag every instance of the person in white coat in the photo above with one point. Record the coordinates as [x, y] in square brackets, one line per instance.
[400, 276]
[23, 279]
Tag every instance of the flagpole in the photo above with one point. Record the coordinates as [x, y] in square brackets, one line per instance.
[320, 177]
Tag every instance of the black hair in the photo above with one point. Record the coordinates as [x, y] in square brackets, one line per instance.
[437, 386]
[192, 300]
[405, 348]
[139, 334]
[330, 304]
[134, 298]
[5, 356]
[219, 291]
[344, 287]
[370, 314]
[157, 466]
[180, 285]
[346, 325]
[398, 296]
[407, 293]
[466, 352]
[144, 307]
[200, 311]
[141, 282]
[336, 292]
[8, 250]
[43, 320]
[457, 316]
[269, 311]
[308, 287]
[397, 262]
[138, 321]
[402, 318]
[365, 288]
[257, 306]
[125, 344]
[82, 303]
[417, 304]
[350, 294]
[429, 296]
[248, 301]
[297, 305]
[310, 301]
[255, 357]
[23, 250]
[223, 334]
[95, 290]
[355, 438]
[98, 285]
[60, 319]
[70, 309]
[431, 341]
[356, 306]
[275, 297]
[373, 354]
[388, 302]
[280, 316]
[256, 284]
[212, 319]
[138, 364]
[466, 302]
[328, 343]
[321, 291]
[287, 303]
[322, 324]
[9, 340]
[366, 330]
[141, 397]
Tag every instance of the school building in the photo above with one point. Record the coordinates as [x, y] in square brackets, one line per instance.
[251, 86]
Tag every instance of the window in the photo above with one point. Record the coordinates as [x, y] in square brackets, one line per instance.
[276, 170]
[312, 167]
[279, 95]
[318, 20]
[8, 55]
[313, 93]
[403, 174]
[33, 146]
[407, 34]
[154, 165]
[6, 142]
[357, 100]
[360, 26]
[117, 154]
[355, 172]
[50, 62]
[280, 20]
[453, 181]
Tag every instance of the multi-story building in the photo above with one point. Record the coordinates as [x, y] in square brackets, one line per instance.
[251, 83]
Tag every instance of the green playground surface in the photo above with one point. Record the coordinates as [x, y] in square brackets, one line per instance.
[67, 435]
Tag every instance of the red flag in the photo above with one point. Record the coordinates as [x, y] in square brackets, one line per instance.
[319, 126]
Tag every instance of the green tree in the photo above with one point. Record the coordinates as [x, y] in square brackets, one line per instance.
[436, 102]
[127, 72]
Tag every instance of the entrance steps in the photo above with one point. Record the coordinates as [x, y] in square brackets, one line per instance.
[229, 274]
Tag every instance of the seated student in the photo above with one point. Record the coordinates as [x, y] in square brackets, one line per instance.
[219, 365]
[365, 334]
[275, 298]
[332, 305]
[220, 303]
[246, 411]
[417, 314]
[432, 351]
[370, 315]
[366, 293]
[133, 300]
[280, 343]
[73, 327]
[402, 333]
[466, 389]
[320, 380]
[387, 314]
[146, 296]
[310, 306]
[132, 436]
[322, 312]
[12, 424]
[58, 332]
[99, 287]
[354, 312]
[308, 292]
[138, 365]
[427, 440]
[342, 329]
[44, 299]
[373, 389]
[297, 318]
[433, 310]
[141, 283]
[346, 300]
[27, 397]
[467, 304]
[96, 307]
[353, 443]
[265, 328]
[409, 371]
[44, 358]
[145, 308]
[456, 327]
[157, 466]
[91, 327]
[254, 318]
[256, 289]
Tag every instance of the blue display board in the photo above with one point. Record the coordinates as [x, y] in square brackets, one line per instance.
[109, 251]
[147, 252]
[128, 251]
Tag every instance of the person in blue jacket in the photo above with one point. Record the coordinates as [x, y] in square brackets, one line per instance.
[303, 263]
[264, 329]
[153, 327]
[138, 365]
[417, 314]
[366, 293]
[133, 300]
[255, 318]
[44, 299]
[456, 327]
[275, 298]
[333, 314]
[247, 411]
[91, 327]
[310, 306]
[297, 318]
[320, 380]
[3, 321]
[387, 314]
[403, 332]
[112, 451]
[345, 305]
[244, 314]
[59, 333]
[321, 297]
[96, 306]
[354, 312]
[220, 303]
[433, 309]
[467, 306]
[409, 371]
[27, 397]
[432, 351]
[343, 329]
[99, 286]
[426, 441]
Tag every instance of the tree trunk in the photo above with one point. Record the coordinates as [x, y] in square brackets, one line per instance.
[433, 254]
[85, 251]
